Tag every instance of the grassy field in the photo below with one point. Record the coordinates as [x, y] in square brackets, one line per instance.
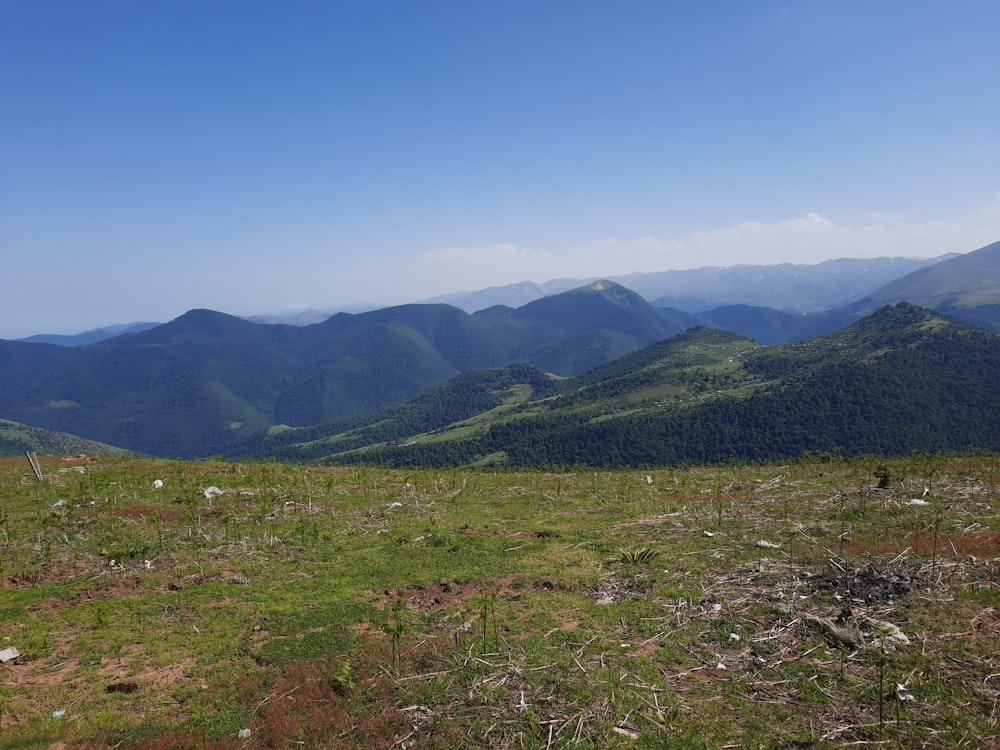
[827, 603]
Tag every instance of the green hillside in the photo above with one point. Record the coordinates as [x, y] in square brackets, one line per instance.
[676, 373]
[902, 380]
[207, 382]
[966, 288]
[211, 384]
[16, 439]
[464, 397]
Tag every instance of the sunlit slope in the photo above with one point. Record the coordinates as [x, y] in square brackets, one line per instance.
[904, 379]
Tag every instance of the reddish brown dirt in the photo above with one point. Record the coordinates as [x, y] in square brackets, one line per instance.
[980, 544]
[61, 570]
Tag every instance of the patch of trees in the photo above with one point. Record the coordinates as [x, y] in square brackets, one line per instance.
[932, 394]
[461, 398]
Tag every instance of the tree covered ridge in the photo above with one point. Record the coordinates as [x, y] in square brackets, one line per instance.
[903, 380]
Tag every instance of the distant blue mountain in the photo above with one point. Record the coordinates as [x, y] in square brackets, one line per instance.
[88, 337]
[789, 287]
[207, 381]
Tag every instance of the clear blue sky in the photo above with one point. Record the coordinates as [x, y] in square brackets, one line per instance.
[253, 157]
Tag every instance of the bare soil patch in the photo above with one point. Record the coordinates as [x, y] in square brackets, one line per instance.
[871, 583]
[978, 544]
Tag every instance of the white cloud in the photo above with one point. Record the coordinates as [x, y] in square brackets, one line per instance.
[806, 239]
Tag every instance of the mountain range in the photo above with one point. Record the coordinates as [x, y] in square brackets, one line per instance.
[793, 288]
[904, 379]
[209, 383]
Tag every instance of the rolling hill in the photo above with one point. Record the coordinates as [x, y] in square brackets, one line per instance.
[18, 438]
[582, 328]
[204, 382]
[904, 379]
[209, 383]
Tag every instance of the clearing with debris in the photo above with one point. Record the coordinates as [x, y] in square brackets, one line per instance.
[807, 604]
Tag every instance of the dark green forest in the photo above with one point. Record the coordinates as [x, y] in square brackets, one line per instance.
[903, 381]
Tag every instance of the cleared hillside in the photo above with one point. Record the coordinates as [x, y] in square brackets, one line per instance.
[250, 606]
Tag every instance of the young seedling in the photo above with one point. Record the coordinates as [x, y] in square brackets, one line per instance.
[199, 717]
[489, 622]
[158, 522]
[881, 685]
[343, 678]
[395, 625]
[882, 633]
[937, 523]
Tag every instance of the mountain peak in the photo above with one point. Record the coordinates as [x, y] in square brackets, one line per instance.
[606, 285]
[201, 325]
[612, 292]
[599, 298]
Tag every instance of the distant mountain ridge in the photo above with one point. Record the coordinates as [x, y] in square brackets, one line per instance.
[796, 288]
[966, 288]
[206, 381]
[963, 287]
[790, 287]
[88, 337]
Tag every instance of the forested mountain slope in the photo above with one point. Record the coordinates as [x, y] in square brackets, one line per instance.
[205, 382]
[904, 379]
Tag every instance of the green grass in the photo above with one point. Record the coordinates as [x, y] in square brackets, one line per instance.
[63, 404]
[353, 607]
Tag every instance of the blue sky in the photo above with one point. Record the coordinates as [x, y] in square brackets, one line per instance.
[257, 157]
